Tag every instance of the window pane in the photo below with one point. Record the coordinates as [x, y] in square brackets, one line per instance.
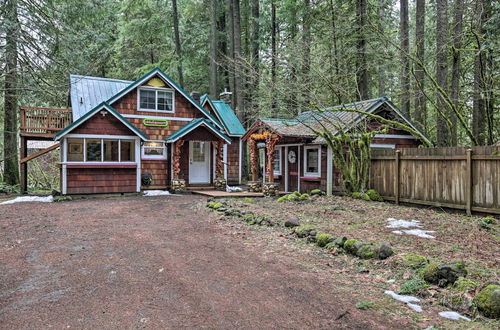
[312, 161]
[154, 148]
[75, 150]
[110, 150]
[93, 150]
[164, 101]
[147, 99]
[127, 151]
[277, 160]
[198, 151]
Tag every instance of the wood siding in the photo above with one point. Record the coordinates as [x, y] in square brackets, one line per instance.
[159, 170]
[233, 160]
[101, 180]
[99, 124]
[440, 177]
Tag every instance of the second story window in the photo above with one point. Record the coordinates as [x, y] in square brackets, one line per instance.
[156, 99]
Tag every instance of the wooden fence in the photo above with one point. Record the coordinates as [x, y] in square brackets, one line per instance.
[460, 177]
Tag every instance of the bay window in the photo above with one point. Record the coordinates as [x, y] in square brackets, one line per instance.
[100, 150]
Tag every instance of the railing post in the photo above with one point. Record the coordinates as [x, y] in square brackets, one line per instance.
[468, 185]
[396, 177]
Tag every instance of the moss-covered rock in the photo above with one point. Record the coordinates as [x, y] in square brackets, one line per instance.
[317, 192]
[340, 241]
[304, 230]
[356, 195]
[304, 197]
[449, 273]
[330, 246]
[385, 250]
[374, 195]
[430, 273]
[465, 285]
[488, 301]
[282, 199]
[322, 239]
[414, 260]
[248, 217]
[366, 251]
[350, 246]
[365, 197]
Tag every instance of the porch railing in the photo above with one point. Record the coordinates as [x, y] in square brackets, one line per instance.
[43, 122]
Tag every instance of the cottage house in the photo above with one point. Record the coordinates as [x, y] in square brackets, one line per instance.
[127, 136]
[297, 159]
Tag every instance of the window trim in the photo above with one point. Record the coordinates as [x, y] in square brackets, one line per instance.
[279, 171]
[312, 174]
[102, 138]
[156, 90]
[153, 157]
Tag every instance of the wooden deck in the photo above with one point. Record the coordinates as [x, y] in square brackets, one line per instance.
[223, 194]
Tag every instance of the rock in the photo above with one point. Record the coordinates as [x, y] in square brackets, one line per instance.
[222, 209]
[430, 273]
[385, 251]
[414, 260]
[313, 233]
[488, 301]
[304, 230]
[366, 251]
[339, 241]
[323, 239]
[349, 246]
[465, 285]
[292, 222]
[449, 273]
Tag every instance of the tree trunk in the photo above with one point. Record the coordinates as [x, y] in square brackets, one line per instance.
[381, 70]
[293, 96]
[223, 48]
[405, 62]
[361, 70]
[420, 114]
[178, 50]
[456, 66]
[274, 55]
[10, 147]
[213, 49]
[442, 113]
[337, 98]
[238, 76]
[230, 53]
[306, 62]
[255, 52]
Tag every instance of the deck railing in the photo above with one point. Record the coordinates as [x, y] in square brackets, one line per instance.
[43, 122]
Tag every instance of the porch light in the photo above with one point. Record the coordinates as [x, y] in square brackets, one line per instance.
[261, 145]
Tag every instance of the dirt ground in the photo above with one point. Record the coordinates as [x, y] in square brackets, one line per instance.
[165, 262]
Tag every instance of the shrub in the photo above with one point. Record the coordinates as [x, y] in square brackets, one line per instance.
[322, 239]
[62, 198]
[486, 222]
[413, 286]
[374, 195]
[9, 189]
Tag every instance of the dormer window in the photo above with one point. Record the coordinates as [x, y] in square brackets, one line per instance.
[156, 99]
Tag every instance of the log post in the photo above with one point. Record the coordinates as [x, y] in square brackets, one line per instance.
[24, 165]
[396, 177]
[468, 184]
[254, 159]
[270, 147]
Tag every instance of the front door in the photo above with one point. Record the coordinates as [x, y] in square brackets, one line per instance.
[293, 167]
[199, 162]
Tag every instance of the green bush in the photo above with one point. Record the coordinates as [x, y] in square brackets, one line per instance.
[9, 189]
[322, 239]
[486, 222]
[413, 286]
[374, 195]
[62, 198]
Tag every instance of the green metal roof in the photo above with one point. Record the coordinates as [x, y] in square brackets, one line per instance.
[226, 115]
[158, 71]
[89, 114]
[194, 124]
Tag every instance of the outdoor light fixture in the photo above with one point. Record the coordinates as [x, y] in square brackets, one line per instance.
[261, 145]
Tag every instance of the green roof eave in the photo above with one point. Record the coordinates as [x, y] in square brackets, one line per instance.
[193, 125]
[158, 71]
[89, 114]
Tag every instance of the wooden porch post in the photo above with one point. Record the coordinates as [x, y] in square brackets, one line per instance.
[219, 164]
[24, 165]
[270, 147]
[176, 159]
[254, 158]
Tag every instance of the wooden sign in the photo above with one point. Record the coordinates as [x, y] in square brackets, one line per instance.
[155, 122]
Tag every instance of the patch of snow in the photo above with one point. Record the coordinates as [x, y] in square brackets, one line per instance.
[405, 299]
[416, 232]
[391, 281]
[408, 300]
[400, 223]
[416, 308]
[156, 193]
[233, 189]
[22, 199]
[453, 315]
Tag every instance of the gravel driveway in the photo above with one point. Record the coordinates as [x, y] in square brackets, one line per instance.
[153, 262]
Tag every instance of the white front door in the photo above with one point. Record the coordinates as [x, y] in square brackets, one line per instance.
[199, 162]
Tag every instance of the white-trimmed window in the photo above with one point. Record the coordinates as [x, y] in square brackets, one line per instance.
[156, 99]
[154, 150]
[277, 161]
[98, 150]
[312, 161]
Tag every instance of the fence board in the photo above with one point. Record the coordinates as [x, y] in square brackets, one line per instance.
[440, 177]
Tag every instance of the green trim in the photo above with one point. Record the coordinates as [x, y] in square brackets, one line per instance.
[164, 122]
[217, 106]
[191, 126]
[171, 82]
[89, 114]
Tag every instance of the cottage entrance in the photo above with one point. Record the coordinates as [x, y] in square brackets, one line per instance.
[293, 168]
[199, 162]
